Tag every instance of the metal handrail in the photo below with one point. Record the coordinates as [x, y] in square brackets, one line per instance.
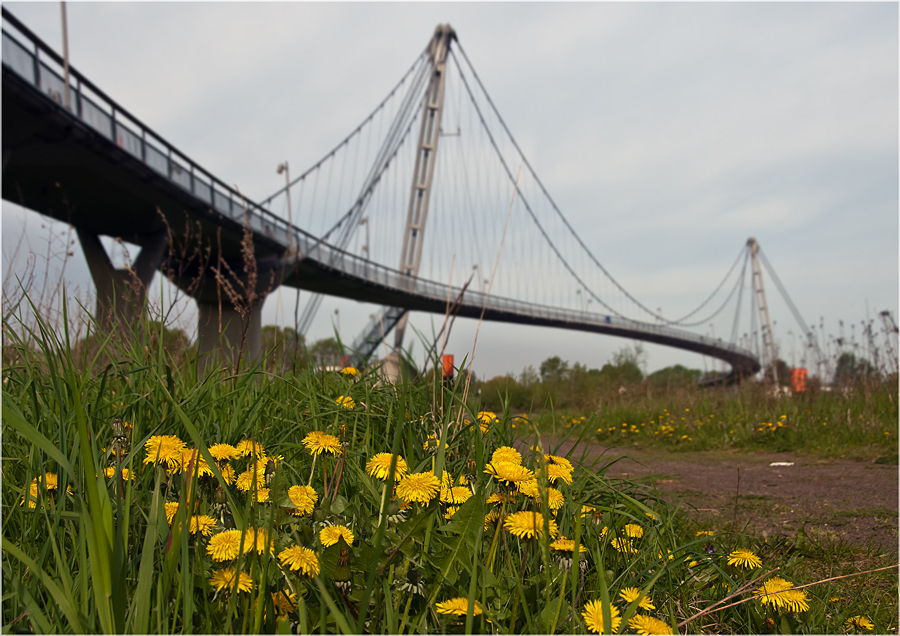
[177, 162]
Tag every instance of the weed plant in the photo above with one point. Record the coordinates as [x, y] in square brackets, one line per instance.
[140, 497]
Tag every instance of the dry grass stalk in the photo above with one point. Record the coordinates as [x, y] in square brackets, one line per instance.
[490, 285]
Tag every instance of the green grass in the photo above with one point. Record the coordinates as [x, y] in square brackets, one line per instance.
[96, 554]
[860, 422]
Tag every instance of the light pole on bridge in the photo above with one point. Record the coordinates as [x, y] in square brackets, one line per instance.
[365, 221]
[285, 168]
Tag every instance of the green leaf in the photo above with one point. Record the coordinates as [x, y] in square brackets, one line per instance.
[13, 416]
[145, 571]
[65, 604]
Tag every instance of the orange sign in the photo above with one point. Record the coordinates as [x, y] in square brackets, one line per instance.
[798, 379]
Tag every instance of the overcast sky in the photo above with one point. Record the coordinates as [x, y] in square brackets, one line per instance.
[667, 133]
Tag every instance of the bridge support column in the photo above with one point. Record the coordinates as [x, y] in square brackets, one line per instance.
[121, 293]
[225, 332]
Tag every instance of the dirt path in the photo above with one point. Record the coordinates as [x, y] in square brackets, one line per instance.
[856, 501]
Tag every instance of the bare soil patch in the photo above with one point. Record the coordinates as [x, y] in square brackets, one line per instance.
[829, 499]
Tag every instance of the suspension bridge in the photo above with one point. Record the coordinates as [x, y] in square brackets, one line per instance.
[433, 174]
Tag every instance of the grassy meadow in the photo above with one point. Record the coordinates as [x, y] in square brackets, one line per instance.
[139, 496]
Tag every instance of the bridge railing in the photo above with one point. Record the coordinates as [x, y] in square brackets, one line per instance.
[374, 273]
[36, 63]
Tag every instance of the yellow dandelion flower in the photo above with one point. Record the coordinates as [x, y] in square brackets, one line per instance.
[486, 416]
[631, 594]
[485, 419]
[506, 454]
[634, 531]
[450, 512]
[490, 519]
[258, 539]
[304, 497]
[247, 478]
[457, 495]
[556, 472]
[163, 449]
[508, 471]
[795, 600]
[623, 545]
[203, 524]
[420, 487]
[345, 402]
[648, 625]
[593, 617]
[704, 533]
[299, 558]
[555, 498]
[744, 559]
[590, 511]
[171, 509]
[110, 472]
[528, 524]
[226, 546]
[318, 442]
[250, 447]
[566, 545]
[331, 534]
[224, 452]
[228, 474]
[499, 498]
[556, 460]
[860, 622]
[262, 495]
[777, 592]
[224, 579]
[284, 602]
[351, 371]
[529, 488]
[379, 465]
[191, 457]
[457, 606]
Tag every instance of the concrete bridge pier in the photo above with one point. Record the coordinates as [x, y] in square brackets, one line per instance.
[230, 308]
[121, 293]
[223, 329]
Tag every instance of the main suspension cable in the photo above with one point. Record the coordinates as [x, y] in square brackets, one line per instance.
[556, 208]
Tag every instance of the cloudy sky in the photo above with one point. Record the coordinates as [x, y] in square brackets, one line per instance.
[667, 133]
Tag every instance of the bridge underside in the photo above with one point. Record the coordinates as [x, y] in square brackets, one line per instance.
[56, 165]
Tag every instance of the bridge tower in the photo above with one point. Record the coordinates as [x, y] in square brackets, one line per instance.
[768, 340]
[426, 156]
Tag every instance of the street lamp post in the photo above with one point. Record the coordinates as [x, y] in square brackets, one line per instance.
[65, 39]
[283, 167]
[365, 221]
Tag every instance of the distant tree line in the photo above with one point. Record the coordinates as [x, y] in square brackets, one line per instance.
[577, 386]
